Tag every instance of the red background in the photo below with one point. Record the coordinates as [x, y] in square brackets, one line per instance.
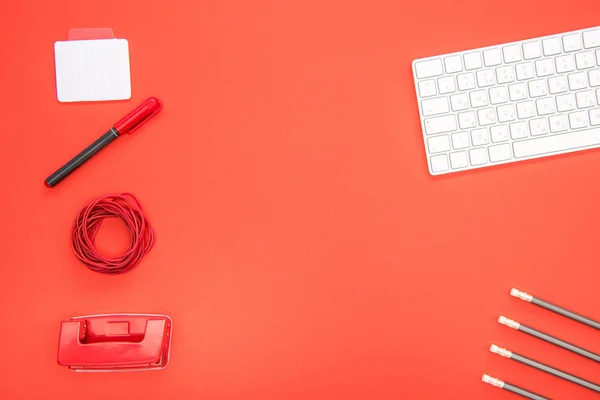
[303, 251]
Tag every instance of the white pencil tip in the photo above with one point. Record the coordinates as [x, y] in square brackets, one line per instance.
[521, 295]
[492, 381]
[508, 322]
[499, 350]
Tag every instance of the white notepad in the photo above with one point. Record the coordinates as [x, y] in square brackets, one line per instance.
[92, 70]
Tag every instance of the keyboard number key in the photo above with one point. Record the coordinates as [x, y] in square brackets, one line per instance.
[453, 64]
[585, 60]
[557, 84]
[544, 67]
[429, 68]
[517, 91]
[499, 133]
[506, 113]
[427, 88]
[594, 77]
[498, 95]
[565, 63]
[578, 81]
[578, 119]
[446, 85]
[459, 102]
[467, 120]
[538, 127]
[478, 156]
[479, 137]
[525, 71]
[459, 160]
[558, 123]
[531, 50]
[505, 74]
[512, 53]
[460, 140]
[472, 60]
[572, 42]
[552, 46]
[492, 57]
[438, 144]
[466, 81]
[595, 117]
[485, 78]
[439, 163]
[500, 152]
[518, 130]
[591, 39]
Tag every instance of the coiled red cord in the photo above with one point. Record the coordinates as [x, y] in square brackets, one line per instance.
[128, 209]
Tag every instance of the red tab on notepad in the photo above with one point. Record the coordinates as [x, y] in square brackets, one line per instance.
[90, 33]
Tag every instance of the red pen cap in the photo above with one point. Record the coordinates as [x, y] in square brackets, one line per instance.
[139, 116]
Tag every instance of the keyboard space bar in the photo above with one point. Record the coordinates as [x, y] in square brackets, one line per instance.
[557, 143]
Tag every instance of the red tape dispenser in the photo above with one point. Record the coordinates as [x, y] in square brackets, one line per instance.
[115, 342]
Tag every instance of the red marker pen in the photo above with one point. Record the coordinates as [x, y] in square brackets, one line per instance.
[128, 124]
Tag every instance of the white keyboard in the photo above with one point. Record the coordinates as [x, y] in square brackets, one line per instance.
[510, 102]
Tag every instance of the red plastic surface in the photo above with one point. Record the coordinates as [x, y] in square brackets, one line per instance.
[115, 342]
[139, 116]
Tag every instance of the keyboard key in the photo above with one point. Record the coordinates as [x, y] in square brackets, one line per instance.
[538, 126]
[525, 109]
[478, 156]
[545, 106]
[498, 95]
[572, 42]
[459, 101]
[518, 130]
[459, 159]
[472, 60]
[478, 98]
[578, 119]
[467, 120]
[435, 125]
[512, 53]
[598, 95]
[500, 152]
[439, 163]
[485, 78]
[427, 69]
[586, 99]
[446, 85]
[486, 116]
[438, 144]
[591, 39]
[594, 76]
[585, 60]
[525, 71]
[492, 57]
[506, 113]
[565, 102]
[479, 137]
[557, 84]
[505, 74]
[544, 67]
[595, 117]
[557, 143]
[565, 63]
[577, 81]
[499, 133]
[532, 50]
[435, 106]
[537, 88]
[558, 123]
[460, 140]
[598, 56]
[427, 88]
[518, 91]
[551, 46]
[453, 64]
[466, 81]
